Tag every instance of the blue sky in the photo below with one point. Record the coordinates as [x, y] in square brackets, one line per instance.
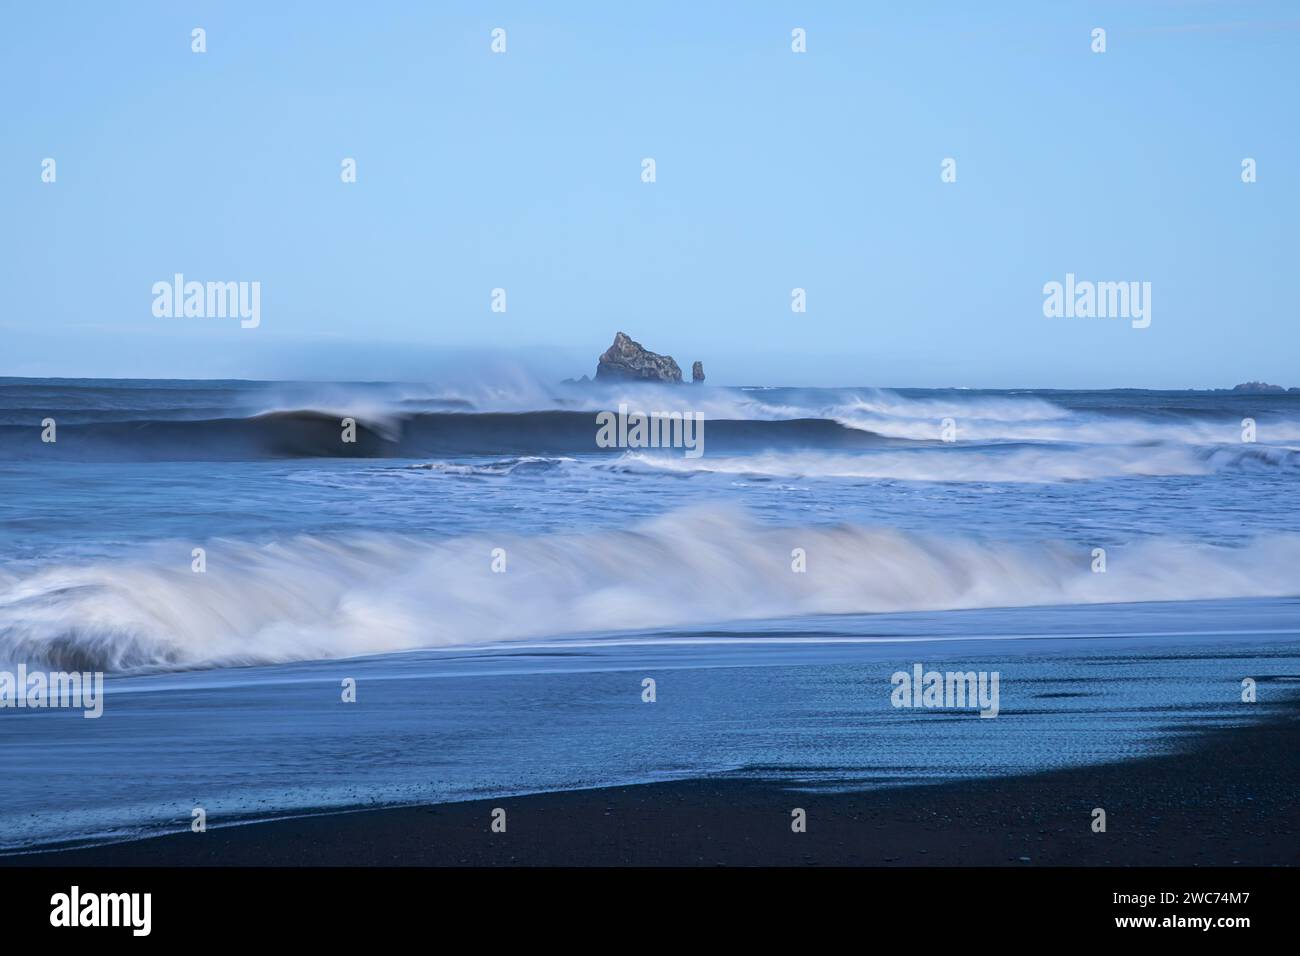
[774, 171]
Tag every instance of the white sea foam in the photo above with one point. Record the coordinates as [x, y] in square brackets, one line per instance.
[313, 597]
[1036, 464]
[526, 464]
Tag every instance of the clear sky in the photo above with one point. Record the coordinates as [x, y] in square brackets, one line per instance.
[775, 170]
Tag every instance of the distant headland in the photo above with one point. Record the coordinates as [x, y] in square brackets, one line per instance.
[1256, 387]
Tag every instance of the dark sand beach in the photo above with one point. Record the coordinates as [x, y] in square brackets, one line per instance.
[1227, 798]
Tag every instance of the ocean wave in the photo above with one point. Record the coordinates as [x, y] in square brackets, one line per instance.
[312, 433]
[1025, 464]
[1072, 428]
[520, 417]
[307, 597]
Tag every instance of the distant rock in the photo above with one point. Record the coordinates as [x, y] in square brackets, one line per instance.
[1258, 387]
[697, 372]
[585, 380]
[626, 360]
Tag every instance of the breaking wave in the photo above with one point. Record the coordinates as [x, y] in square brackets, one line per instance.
[305, 597]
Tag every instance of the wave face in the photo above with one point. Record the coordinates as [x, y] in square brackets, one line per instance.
[311, 597]
[315, 434]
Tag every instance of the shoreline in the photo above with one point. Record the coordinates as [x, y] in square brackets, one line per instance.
[1226, 798]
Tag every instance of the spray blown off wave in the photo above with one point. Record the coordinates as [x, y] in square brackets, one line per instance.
[309, 598]
[245, 421]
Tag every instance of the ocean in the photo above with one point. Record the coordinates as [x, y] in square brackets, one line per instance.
[498, 589]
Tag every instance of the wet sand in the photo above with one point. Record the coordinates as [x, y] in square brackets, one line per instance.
[1228, 798]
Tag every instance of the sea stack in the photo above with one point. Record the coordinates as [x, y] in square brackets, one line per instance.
[626, 360]
[697, 373]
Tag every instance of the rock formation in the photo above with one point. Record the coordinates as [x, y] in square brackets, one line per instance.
[697, 372]
[627, 360]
